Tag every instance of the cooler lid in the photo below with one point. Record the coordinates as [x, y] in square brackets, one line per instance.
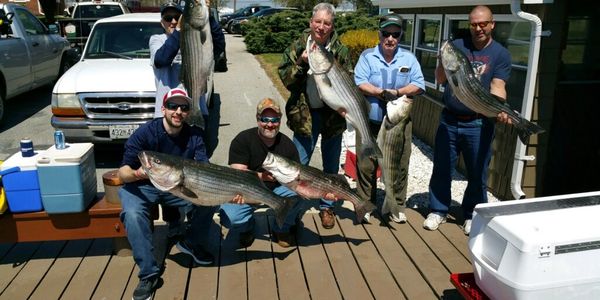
[24, 163]
[530, 229]
[75, 153]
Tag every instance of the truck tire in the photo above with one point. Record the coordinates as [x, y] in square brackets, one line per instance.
[65, 64]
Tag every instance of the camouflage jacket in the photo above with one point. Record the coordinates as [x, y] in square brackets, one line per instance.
[294, 78]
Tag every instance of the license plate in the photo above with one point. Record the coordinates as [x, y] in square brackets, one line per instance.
[118, 132]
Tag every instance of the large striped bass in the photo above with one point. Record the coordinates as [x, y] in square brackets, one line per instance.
[339, 92]
[393, 143]
[207, 184]
[312, 183]
[196, 55]
[469, 91]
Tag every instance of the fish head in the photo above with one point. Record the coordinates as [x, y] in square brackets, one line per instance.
[450, 56]
[164, 171]
[283, 169]
[399, 109]
[319, 59]
[195, 13]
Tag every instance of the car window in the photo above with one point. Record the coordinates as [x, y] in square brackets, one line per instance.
[129, 39]
[98, 11]
[32, 24]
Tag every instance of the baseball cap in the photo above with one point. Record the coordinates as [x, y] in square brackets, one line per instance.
[390, 19]
[175, 94]
[167, 5]
[267, 103]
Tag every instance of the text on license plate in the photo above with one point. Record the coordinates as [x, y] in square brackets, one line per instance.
[121, 131]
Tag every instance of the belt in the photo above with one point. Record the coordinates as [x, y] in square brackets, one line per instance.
[465, 117]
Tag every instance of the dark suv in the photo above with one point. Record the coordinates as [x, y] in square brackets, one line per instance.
[242, 12]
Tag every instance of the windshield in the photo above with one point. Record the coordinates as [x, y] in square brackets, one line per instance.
[122, 40]
[97, 11]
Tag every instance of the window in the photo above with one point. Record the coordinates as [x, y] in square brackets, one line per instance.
[32, 25]
[427, 41]
[408, 29]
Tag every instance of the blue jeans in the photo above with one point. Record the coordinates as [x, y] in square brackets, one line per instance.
[238, 217]
[137, 202]
[331, 149]
[474, 140]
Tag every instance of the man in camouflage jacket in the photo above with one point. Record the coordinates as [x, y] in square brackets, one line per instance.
[307, 115]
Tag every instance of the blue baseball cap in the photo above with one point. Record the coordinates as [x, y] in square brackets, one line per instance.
[168, 5]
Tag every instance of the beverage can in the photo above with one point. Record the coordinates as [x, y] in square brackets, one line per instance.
[59, 140]
[27, 147]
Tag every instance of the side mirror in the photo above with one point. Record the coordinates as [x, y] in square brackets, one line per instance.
[53, 28]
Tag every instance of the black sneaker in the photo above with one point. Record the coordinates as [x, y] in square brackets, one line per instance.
[145, 288]
[246, 239]
[200, 256]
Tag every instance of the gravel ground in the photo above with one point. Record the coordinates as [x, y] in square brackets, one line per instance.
[419, 173]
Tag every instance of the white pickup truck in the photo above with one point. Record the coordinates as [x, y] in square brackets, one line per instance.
[110, 92]
[31, 55]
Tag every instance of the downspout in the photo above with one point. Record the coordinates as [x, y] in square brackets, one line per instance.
[530, 84]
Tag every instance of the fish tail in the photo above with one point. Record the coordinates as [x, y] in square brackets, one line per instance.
[282, 211]
[527, 129]
[362, 209]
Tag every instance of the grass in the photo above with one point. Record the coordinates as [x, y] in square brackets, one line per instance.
[269, 62]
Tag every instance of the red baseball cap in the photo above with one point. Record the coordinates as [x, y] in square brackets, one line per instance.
[177, 93]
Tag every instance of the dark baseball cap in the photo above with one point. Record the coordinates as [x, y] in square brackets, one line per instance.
[390, 19]
[172, 5]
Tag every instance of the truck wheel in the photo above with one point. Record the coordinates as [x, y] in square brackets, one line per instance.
[65, 64]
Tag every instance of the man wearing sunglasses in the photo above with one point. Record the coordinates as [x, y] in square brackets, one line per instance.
[247, 151]
[166, 62]
[384, 73]
[307, 115]
[168, 134]
[462, 130]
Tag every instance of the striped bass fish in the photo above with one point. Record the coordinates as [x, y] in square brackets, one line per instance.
[468, 90]
[393, 143]
[312, 183]
[207, 184]
[340, 93]
[196, 55]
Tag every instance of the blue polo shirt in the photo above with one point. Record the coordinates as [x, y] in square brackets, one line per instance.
[403, 70]
[152, 136]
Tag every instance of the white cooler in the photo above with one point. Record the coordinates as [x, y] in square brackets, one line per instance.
[543, 248]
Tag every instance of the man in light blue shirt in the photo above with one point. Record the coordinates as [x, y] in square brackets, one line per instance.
[383, 73]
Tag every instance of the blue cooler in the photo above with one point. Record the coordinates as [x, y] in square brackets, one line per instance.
[20, 179]
[67, 178]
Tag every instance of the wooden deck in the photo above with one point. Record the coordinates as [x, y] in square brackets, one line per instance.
[365, 261]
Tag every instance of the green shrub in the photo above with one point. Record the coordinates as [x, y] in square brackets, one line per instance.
[276, 32]
[359, 40]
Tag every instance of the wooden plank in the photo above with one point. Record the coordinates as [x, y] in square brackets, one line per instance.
[61, 272]
[35, 269]
[455, 234]
[203, 283]
[290, 276]
[85, 279]
[12, 263]
[232, 271]
[380, 280]
[350, 281]
[319, 275]
[177, 267]
[116, 276]
[262, 282]
[424, 259]
[412, 284]
[450, 257]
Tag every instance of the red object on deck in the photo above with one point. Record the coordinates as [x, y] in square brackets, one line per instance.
[466, 286]
[350, 165]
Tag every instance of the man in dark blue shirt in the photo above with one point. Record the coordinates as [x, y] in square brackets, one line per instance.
[169, 134]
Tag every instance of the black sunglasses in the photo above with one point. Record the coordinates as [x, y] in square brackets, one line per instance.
[169, 18]
[175, 106]
[266, 120]
[393, 34]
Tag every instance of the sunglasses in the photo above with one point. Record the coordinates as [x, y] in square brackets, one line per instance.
[175, 106]
[169, 18]
[266, 120]
[393, 34]
[480, 24]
